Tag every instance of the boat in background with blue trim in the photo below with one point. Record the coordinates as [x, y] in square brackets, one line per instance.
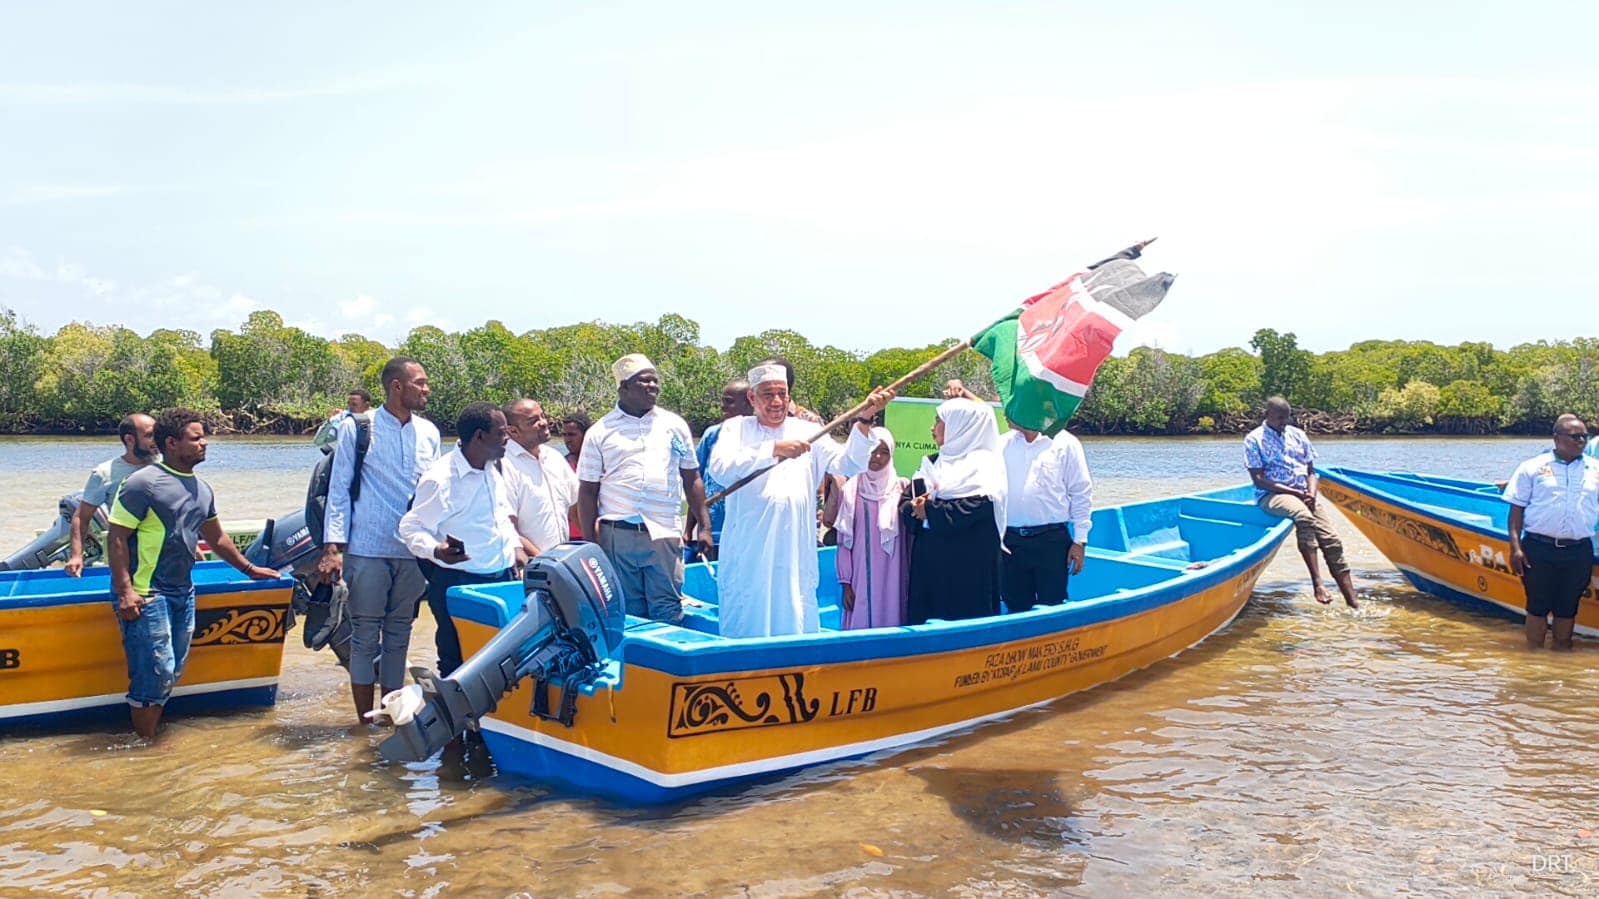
[1449, 537]
[61, 649]
[681, 710]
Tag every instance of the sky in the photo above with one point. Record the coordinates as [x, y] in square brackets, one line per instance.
[870, 175]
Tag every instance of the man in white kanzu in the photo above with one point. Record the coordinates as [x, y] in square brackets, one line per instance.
[767, 576]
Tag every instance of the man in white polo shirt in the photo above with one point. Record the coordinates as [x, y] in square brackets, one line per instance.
[1554, 508]
[543, 487]
[637, 465]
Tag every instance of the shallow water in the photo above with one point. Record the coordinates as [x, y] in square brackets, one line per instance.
[1410, 747]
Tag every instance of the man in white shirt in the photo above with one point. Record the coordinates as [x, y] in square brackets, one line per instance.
[543, 486]
[637, 465]
[459, 527]
[1554, 509]
[1048, 488]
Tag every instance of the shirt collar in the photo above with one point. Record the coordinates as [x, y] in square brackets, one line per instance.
[645, 417]
[384, 411]
[461, 468]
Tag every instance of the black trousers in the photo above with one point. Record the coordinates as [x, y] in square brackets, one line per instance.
[1558, 576]
[440, 580]
[1034, 571]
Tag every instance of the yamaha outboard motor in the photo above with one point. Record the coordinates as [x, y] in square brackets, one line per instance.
[285, 543]
[55, 543]
[569, 630]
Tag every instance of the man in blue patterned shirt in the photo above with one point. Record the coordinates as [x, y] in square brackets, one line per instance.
[1282, 464]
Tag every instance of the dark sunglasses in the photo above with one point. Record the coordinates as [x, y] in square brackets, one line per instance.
[1582, 437]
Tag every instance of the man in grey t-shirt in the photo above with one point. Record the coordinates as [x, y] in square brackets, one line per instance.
[138, 450]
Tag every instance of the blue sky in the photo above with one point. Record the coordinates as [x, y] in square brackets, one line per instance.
[866, 174]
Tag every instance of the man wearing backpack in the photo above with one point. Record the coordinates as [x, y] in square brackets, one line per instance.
[361, 532]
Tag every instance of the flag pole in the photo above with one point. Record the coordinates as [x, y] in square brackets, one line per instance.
[949, 353]
[1132, 252]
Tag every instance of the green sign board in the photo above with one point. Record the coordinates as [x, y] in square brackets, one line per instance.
[911, 422]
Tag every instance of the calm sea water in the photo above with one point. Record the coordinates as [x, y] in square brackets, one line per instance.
[1306, 750]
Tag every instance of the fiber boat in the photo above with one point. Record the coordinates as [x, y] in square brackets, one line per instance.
[641, 712]
[1449, 537]
[61, 650]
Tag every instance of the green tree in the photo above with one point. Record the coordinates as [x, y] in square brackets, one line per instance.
[1232, 383]
[1285, 368]
[21, 351]
[1468, 407]
[1410, 409]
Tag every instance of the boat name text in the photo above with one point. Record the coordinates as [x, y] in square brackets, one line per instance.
[1029, 660]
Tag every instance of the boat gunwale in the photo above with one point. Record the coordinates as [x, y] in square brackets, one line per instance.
[84, 595]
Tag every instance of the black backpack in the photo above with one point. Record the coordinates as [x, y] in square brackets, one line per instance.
[316, 495]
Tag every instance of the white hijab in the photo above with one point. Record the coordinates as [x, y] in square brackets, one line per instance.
[884, 487]
[969, 463]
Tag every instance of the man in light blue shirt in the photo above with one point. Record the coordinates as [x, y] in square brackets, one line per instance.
[361, 543]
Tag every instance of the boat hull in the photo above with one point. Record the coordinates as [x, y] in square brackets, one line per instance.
[61, 648]
[691, 715]
[1449, 538]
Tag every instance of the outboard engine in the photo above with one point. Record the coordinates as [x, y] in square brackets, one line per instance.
[55, 543]
[285, 543]
[570, 628]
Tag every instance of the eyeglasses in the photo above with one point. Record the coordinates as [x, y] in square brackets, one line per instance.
[1582, 437]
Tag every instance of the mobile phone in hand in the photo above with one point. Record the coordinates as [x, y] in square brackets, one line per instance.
[455, 544]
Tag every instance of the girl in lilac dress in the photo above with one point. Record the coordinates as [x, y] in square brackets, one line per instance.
[873, 555]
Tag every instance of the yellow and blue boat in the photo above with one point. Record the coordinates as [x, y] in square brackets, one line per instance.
[677, 709]
[1449, 537]
[61, 649]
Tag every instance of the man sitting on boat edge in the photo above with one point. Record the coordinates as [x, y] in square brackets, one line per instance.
[1282, 464]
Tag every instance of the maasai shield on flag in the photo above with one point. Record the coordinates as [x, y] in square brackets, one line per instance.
[1046, 352]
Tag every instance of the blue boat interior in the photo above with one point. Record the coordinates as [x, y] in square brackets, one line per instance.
[1475, 504]
[1137, 553]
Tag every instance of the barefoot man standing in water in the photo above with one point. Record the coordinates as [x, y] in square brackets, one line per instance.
[1282, 464]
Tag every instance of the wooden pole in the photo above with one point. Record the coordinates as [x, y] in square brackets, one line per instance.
[948, 354]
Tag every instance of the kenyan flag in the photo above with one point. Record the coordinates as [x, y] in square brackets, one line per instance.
[1045, 353]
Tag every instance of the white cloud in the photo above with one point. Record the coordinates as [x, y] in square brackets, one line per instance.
[358, 308]
[18, 263]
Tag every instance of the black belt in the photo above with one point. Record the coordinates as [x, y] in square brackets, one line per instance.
[1034, 530]
[625, 525]
[1556, 542]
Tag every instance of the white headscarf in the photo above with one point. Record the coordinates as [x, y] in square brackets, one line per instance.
[883, 486]
[969, 463]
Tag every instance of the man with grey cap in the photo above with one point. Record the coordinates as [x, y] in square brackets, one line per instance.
[636, 467]
[767, 575]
